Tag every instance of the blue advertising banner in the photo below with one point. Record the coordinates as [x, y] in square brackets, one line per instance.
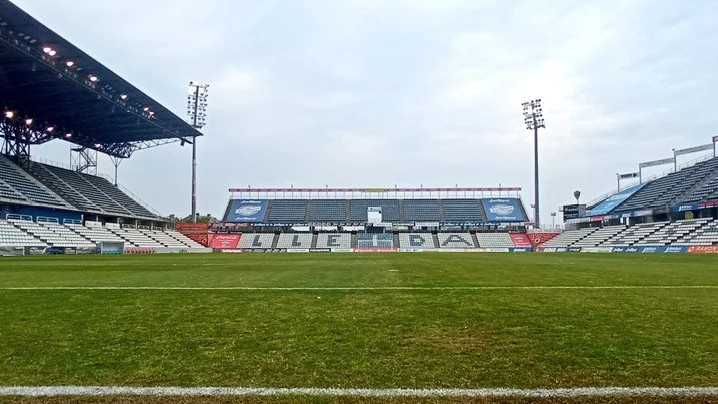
[612, 201]
[651, 249]
[246, 211]
[503, 210]
[686, 207]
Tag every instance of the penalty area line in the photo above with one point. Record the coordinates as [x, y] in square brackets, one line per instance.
[46, 391]
[350, 288]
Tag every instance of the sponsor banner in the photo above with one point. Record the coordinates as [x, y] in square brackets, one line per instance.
[411, 250]
[112, 225]
[191, 228]
[375, 250]
[224, 241]
[597, 249]
[520, 249]
[645, 212]
[342, 250]
[657, 162]
[710, 204]
[503, 210]
[651, 250]
[703, 249]
[686, 207]
[246, 210]
[676, 249]
[538, 238]
[561, 249]
[695, 149]
[521, 240]
[297, 250]
[237, 251]
[610, 203]
[573, 211]
[320, 250]
[34, 250]
[548, 250]
[89, 223]
[499, 250]
[139, 250]
[264, 250]
[628, 175]
[12, 251]
[572, 249]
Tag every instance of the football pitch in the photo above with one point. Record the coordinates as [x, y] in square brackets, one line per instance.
[366, 325]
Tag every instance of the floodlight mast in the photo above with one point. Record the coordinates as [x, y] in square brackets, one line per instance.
[197, 113]
[533, 118]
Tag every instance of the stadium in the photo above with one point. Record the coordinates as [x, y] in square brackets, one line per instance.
[380, 294]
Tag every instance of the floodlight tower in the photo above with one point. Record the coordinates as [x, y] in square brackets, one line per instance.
[533, 117]
[198, 94]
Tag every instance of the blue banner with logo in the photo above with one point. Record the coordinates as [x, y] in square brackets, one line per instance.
[651, 249]
[686, 207]
[614, 200]
[246, 210]
[503, 210]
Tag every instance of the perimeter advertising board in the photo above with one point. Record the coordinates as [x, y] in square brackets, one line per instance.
[246, 210]
[503, 210]
[224, 241]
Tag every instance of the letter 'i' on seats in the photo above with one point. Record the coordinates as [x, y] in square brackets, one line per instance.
[416, 240]
[455, 238]
[332, 240]
[255, 242]
[295, 241]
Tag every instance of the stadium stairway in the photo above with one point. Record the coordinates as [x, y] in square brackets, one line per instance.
[354, 241]
[442, 216]
[475, 240]
[308, 213]
[276, 240]
[396, 240]
[401, 210]
[315, 236]
[435, 239]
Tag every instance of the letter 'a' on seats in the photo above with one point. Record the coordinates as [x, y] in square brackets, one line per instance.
[455, 238]
[416, 240]
[332, 240]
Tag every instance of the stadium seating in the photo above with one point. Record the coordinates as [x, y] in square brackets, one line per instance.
[288, 211]
[600, 236]
[673, 232]
[15, 183]
[328, 210]
[88, 192]
[334, 240]
[668, 190]
[369, 240]
[456, 240]
[184, 239]
[11, 236]
[64, 237]
[634, 234]
[262, 240]
[462, 210]
[421, 210]
[706, 235]
[707, 191]
[416, 240]
[163, 238]
[136, 238]
[95, 234]
[295, 240]
[494, 240]
[568, 238]
[389, 209]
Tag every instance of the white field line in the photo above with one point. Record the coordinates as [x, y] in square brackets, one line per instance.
[44, 391]
[350, 288]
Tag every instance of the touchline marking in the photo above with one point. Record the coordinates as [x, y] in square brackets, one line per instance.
[349, 288]
[44, 391]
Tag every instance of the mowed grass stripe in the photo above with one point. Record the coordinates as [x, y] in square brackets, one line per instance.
[360, 288]
[73, 391]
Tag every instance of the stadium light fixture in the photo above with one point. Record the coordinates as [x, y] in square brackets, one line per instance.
[68, 135]
[533, 118]
[47, 49]
[50, 128]
[52, 53]
[123, 96]
[69, 63]
[93, 78]
[28, 121]
[198, 94]
[9, 114]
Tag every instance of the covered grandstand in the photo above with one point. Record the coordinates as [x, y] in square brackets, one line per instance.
[52, 91]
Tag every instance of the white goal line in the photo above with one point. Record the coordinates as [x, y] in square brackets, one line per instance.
[349, 288]
[45, 391]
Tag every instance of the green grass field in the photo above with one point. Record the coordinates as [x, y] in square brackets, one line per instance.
[413, 321]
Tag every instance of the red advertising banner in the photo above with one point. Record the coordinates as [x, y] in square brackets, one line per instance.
[538, 238]
[520, 240]
[703, 249]
[224, 241]
[710, 204]
[191, 228]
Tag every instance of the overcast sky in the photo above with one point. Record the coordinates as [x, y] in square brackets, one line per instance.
[373, 93]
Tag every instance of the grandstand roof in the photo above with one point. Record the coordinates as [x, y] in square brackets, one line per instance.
[48, 79]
